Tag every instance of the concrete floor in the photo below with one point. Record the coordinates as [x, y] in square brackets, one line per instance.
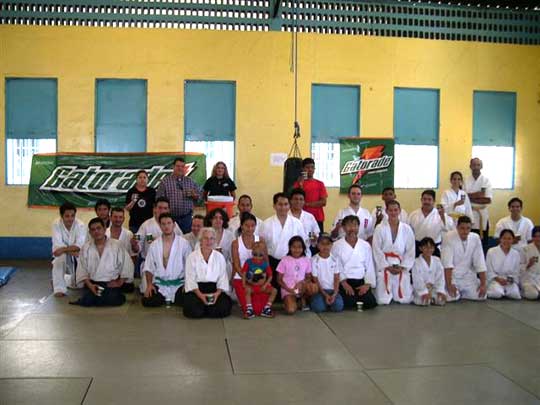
[465, 353]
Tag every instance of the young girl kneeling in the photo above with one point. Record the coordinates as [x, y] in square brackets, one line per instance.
[428, 276]
[294, 276]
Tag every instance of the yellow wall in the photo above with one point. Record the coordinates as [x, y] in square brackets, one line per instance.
[259, 63]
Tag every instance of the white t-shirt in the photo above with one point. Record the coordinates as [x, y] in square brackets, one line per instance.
[325, 269]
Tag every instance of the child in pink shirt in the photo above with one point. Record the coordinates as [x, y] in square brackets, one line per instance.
[294, 276]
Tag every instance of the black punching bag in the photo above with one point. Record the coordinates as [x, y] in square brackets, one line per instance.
[292, 169]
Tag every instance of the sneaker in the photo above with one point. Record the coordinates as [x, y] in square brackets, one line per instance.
[306, 308]
[267, 312]
[249, 313]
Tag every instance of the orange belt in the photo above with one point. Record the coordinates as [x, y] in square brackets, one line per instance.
[392, 254]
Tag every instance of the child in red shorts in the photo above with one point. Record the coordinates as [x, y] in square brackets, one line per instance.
[257, 277]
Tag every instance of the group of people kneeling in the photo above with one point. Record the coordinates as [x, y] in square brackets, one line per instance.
[197, 270]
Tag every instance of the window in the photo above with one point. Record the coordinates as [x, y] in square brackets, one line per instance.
[210, 122]
[494, 127]
[416, 136]
[31, 124]
[335, 113]
[120, 115]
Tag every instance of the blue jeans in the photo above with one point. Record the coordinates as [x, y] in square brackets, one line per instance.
[184, 222]
[318, 303]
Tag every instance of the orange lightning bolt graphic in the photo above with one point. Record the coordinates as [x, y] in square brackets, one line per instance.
[373, 152]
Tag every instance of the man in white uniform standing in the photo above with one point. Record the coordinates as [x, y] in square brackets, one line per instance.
[464, 264]
[393, 251]
[478, 188]
[366, 227]
[517, 223]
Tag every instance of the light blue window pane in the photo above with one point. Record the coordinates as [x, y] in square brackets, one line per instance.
[494, 120]
[416, 116]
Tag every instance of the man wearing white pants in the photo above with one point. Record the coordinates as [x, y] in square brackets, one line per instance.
[464, 264]
[393, 252]
[68, 236]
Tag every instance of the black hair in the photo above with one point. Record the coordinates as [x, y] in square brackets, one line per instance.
[296, 191]
[350, 218]
[96, 220]
[67, 206]
[117, 209]
[504, 231]
[456, 172]
[297, 239]
[246, 216]
[513, 200]
[463, 220]
[392, 189]
[324, 236]
[430, 193]
[141, 171]
[307, 161]
[427, 241]
[210, 216]
[277, 196]
[245, 196]
[355, 185]
[536, 229]
[393, 202]
[102, 201]
[179, 159]
[165, 215]
[162, 199]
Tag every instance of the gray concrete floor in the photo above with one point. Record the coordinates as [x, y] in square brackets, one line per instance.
[465, 353]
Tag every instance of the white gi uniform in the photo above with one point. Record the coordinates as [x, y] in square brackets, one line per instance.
[225, 244]
[403, 216]
[479, 210]
[192, 239]
[114, 262]
[168, 279]
[355, 263]
[234, 225]
[151, 226]
[277, 237]
[386, 252]
[530, 277]
[466, 258]
[63, 266]
[450, 197]
[125, 239]
[199, 271]
[522, 227]
[367, 224]
[424, 274]
[430, 225]
[310, 225]
[503, 265]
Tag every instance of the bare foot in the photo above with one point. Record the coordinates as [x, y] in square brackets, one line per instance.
[59, 295]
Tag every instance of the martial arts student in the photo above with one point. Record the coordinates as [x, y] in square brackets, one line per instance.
[478, 188]
[503, 266]
[311, 227]
[68, 236]
[125, 237]
[325, 271]
[365, 229]
[164, 267]
[104, 265]
[103, 211]
[464, 264]
[428, 276]
[278, 230]
[379, 214]
[356, 261]
[393, 251]
[197, 223]
[455, 200]
[530, 267]
[517, 223]
[206, 281]
[429, 221]
[244, 205]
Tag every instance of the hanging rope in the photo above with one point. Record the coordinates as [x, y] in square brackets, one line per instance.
[295, 150]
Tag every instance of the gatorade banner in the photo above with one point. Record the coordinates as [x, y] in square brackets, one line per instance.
[368, 162]
[83, 178]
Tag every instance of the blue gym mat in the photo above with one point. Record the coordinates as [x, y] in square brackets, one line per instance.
[5, 274]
